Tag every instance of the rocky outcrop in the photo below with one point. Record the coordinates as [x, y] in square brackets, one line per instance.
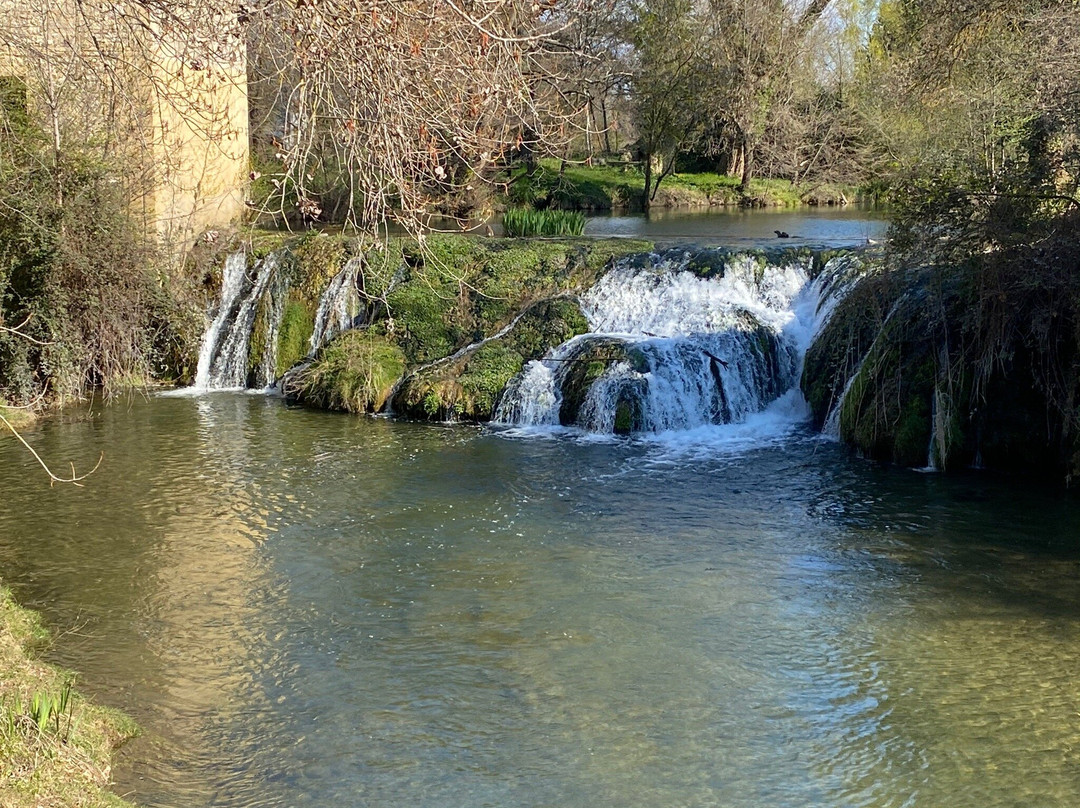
[956, 366]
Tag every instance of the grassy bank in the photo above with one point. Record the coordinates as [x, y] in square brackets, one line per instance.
[55, 746]
[18, 418]
[603, 187]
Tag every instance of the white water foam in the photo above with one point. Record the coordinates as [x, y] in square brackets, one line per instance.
[232, 282]
[223, 355]
[707, 359]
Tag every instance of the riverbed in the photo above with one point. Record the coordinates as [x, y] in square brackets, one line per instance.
[310, 609]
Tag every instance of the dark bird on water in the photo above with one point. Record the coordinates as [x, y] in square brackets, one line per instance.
[781, 234]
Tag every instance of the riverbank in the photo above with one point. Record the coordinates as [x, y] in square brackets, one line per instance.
[55, 746]
[607, 187]
[17, 418]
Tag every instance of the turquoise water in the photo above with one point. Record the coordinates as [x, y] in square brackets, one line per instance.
[308, 609]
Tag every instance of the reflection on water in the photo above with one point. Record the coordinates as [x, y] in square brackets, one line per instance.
[305, 609]
[744, 228]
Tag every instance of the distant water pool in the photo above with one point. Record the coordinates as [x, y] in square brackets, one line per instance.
[308, 609]
[746, 227]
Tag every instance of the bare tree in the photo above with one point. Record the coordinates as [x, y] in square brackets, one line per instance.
[398, 101]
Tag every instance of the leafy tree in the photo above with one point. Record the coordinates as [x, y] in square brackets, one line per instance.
[974, 115]
[667, 83]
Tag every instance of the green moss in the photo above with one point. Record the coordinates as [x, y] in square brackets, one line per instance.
[472, 386]
[294, 338]
[486, 376]
[912, 434]
[19, 419]
[260, 332]
[546, 325]
[260, 243]
[424, 322]
[355, 373]
[318, 257]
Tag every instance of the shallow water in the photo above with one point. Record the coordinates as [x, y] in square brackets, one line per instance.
[308, 609]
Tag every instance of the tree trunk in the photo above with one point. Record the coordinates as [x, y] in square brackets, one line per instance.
[648, 181]
[737, 161]
[747, 170]
[665, 167]
[607, 131]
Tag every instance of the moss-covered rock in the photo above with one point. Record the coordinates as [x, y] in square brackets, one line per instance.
[587, 364]
[841, 347]
[459, 290]
[428, 300]
[977, 363]
[294, 336]
[470, 386]
[356, 373]
[469, 389]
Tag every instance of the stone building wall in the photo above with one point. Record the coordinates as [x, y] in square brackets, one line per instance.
[165, 98]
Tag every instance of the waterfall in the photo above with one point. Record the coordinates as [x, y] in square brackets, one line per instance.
[339, 306]
[678, 342]
[232, 281]
[223, 356]
[278, 296]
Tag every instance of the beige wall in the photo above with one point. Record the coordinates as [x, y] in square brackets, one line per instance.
[200, 148]
[168, 103]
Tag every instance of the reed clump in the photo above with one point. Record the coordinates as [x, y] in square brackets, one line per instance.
[526, 222]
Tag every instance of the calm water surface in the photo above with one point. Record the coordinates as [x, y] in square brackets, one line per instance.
[746, 228]
[306, 609]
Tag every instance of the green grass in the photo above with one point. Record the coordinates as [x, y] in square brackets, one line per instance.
[602, 187]
[294, 338]
[55, 746]
[18, 418]
[525, 222]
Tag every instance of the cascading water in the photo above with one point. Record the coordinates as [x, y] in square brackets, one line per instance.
[232, 282]
[223, 357]
[678, 342]
[339, 306]
[277, 297]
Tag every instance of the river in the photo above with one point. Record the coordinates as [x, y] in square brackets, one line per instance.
[307, 609]
[746, 227]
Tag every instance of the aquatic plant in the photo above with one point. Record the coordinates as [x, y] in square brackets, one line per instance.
[528, 222]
